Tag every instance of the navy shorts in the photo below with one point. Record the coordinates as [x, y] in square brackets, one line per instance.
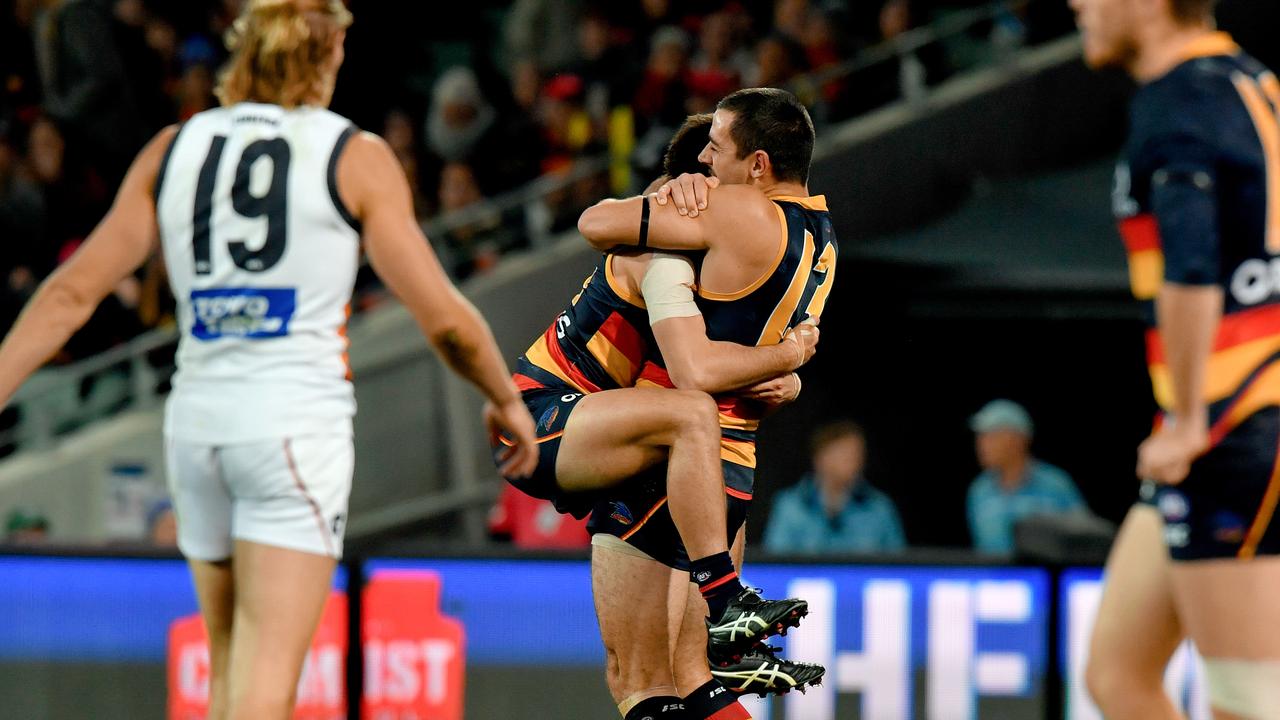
[637, 513]
[550, 408]
[1225, 507]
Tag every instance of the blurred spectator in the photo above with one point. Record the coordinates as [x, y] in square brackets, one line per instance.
[460, 115]
[474, 247]
[661, 95]
[1012, 484]
[533, 524]
[603, 67]
[86, 89]
[21, 227]
[147, 63]
[26, 528]
[195, 93]
[791, 19]
[536, 30]
[162, 524]
[397, 130]
[834, 509]
[719, 65]
[778, 60]
[463, 126]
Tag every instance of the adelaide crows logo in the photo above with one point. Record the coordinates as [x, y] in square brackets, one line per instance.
[620, 513]
[548, 417]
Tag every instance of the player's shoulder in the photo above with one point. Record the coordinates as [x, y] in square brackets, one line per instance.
[1193, 96]
[743, 198]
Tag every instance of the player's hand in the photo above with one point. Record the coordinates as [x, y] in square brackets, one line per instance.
[512, 419]
[776, 392]
[804, 338]
[688, 192]
[1167, 455]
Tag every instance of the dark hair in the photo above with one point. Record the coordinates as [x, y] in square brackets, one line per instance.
[1192, 11]
[831, 432]
[774, 121]
[686, 145]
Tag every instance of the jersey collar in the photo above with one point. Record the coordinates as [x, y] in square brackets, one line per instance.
[1211, 45]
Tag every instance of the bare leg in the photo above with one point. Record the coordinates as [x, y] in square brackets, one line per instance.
[632, 612]
[1229, 608]
[215, 591]
[280, 595]
[1137, 629]
[614, 435]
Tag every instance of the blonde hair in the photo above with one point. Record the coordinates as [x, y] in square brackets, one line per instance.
[280, 52]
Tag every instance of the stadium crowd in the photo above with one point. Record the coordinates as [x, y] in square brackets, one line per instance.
[84, 83]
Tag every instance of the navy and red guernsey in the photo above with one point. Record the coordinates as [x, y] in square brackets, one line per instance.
[1198, 200]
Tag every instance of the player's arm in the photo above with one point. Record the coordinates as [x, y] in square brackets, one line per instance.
[738, 214]
[696, 362]
[1189, 304]
[372, 183]
[66, 300]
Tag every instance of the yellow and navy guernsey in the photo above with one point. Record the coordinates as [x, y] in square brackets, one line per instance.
[598, 343]
[795, 287]
[1198, 202]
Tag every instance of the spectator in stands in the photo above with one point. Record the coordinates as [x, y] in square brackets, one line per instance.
[86, 90]
[463, 126]
[536, 30]
[460, 115]
[661, 95]
[778, 60]
[1012, 484]
[834, 509]
[22, 221]
[26, 528]
[719, 65]
[474, 247]
[397, 130]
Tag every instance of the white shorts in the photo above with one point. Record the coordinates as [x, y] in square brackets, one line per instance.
[290, 493]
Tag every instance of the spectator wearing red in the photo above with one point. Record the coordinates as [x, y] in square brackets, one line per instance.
[719, 65]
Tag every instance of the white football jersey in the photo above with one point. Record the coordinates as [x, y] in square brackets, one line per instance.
[262, 257]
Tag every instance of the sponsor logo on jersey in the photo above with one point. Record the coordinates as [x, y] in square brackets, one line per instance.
[620, 513]
[250, 313]
[1255, 281]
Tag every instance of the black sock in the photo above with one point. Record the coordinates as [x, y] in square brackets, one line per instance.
[663, 707]
[717, 581]
[714, 701]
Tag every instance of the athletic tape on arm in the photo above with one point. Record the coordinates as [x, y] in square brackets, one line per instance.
[668, 288]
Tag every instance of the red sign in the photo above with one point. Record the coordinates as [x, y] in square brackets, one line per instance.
[322, 692]
[413, 655]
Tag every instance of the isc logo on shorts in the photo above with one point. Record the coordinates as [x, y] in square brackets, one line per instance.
[242, 312]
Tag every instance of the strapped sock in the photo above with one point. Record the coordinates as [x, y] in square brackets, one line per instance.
[713, 701]
[663, 707]
[717, 581]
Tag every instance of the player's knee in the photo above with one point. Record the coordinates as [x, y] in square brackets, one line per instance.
[1116, 687]
[612, 672]
[697, 412]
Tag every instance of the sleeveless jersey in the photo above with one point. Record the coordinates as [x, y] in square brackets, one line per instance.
[262, 257]
[796, 288]
[597, 343]
[1198, 201]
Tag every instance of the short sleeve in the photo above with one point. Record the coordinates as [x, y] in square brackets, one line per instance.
[1185, 203]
